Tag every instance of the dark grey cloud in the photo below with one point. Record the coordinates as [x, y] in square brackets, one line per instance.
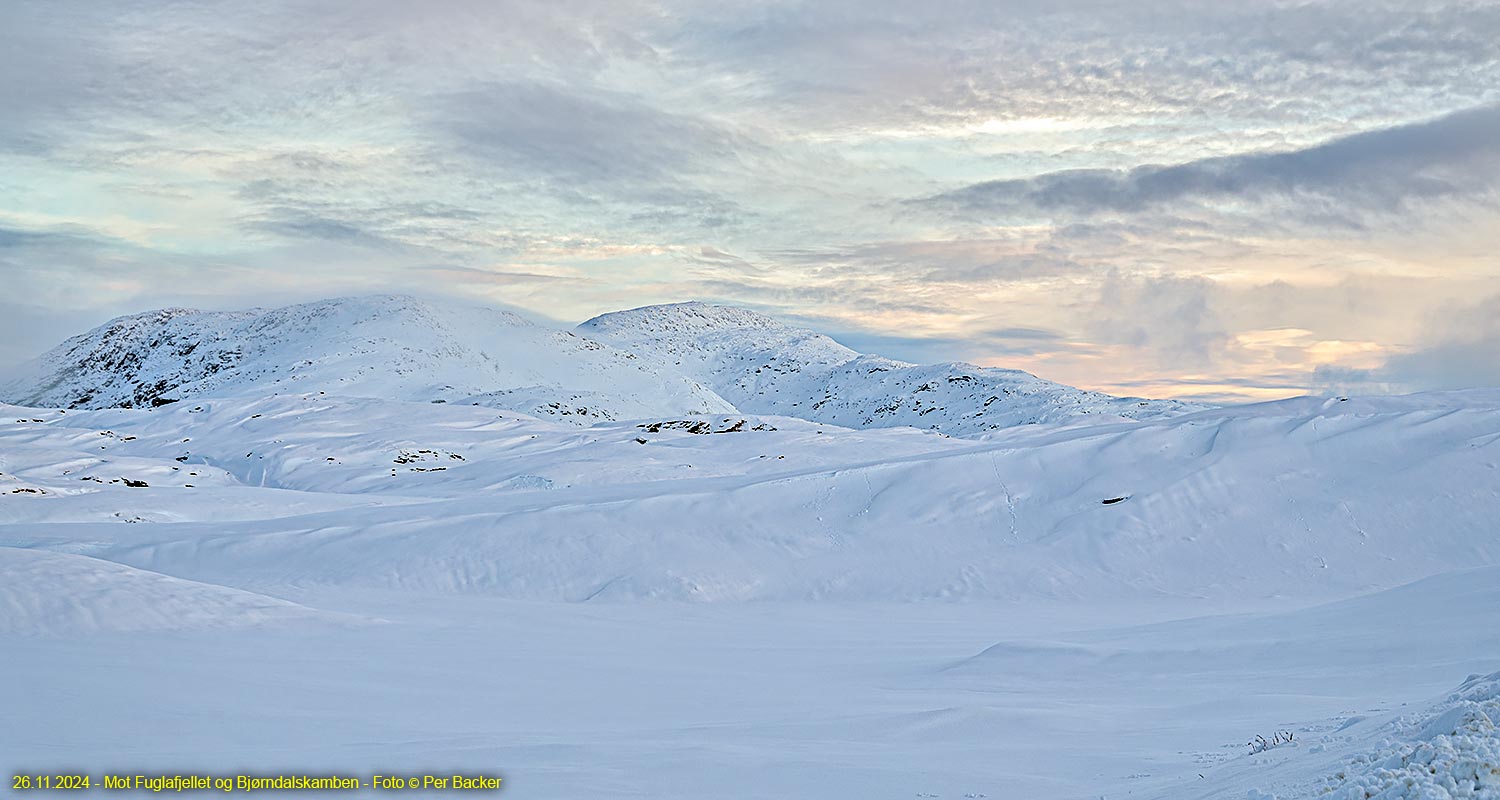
[1461, 363]
[582, 138]
[55, 72]
[981, 345]
[1022, 334]
[1460, 349]
[296, 223]
[594, 148]
[1173, 318]
[68, 236]
[1457, 155]
[390, 225]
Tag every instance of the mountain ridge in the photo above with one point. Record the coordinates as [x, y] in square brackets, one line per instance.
[763, 366]
[648, 362]
[384, 345]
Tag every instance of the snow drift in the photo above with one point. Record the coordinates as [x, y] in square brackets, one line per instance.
[1305, 499]
[43, 593]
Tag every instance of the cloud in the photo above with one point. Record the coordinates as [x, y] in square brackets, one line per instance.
[1174, 318]
[970, 261]
[1022, 334]
[15, 238]
[299, 224]
[592, 148]
[1457, 155]
[584, 155]
[1004, 342]
[497, 276]
[1460, 349]
[890, 66]
[50, 53]
[26, 330]
[582, 138]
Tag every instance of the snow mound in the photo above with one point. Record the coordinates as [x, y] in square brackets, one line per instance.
[393, 347]
[1453, 753]
[50, 594]
[765, 367]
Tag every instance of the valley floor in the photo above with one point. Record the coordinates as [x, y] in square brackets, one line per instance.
[759, 701]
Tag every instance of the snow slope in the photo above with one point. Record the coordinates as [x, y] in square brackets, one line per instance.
[1315, 500]
[765, 367]
[756, 606]
[384, 346]
[807, 700]
[43, 593]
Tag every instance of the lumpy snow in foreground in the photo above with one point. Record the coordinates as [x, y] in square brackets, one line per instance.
[701, 590]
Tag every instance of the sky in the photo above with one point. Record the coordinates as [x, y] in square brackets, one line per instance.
[1207, 200]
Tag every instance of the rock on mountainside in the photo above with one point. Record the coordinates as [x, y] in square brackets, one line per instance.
[765, 367]
[386, 346]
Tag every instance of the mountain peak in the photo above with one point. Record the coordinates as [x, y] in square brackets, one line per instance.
[764, 366]
[392, 346]
[689, 317]
[680, 358]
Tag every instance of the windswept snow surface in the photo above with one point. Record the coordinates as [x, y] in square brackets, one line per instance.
[59, 593]
[751, 605]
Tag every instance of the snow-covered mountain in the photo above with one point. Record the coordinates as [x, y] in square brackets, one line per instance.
[766, 367]
[387, 346]
[658, 361]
